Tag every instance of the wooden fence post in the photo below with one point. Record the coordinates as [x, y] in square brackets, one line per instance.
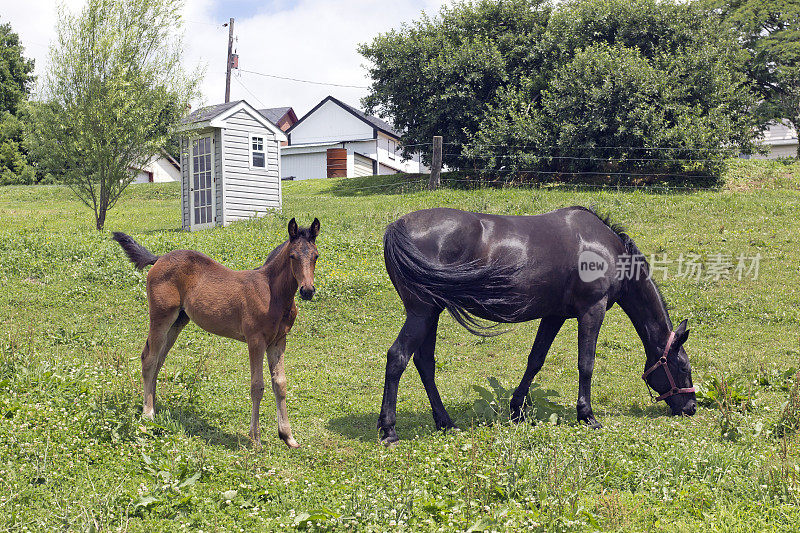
[436, 164]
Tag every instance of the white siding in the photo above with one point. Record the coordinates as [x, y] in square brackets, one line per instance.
[248, 192]
[184, 155]
[330, 122]
[163, 171]
[393, 162]
[304, 166]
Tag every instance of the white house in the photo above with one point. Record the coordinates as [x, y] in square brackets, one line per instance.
[160, 168]
[781, 139]
[230, 165]
[337, 140]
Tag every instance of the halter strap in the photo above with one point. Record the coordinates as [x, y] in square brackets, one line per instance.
[662, 362]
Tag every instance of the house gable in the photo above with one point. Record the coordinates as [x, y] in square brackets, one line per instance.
[329, 121]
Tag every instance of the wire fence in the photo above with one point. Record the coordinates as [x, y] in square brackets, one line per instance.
[526, 176]
[690, 167]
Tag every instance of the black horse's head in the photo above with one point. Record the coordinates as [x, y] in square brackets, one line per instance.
[671, 375]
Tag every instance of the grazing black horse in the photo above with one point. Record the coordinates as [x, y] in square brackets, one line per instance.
[568, 263]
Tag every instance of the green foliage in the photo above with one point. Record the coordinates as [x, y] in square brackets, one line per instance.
[16, 80]
[115, 90]
[723, 394]
[587, 90]
[769, 30]
[493, 405]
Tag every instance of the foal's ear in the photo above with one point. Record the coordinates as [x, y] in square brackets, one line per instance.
[292, 229]
[681, 333]
[313, 230]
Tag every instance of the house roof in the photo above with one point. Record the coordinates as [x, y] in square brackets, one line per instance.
[375, 122]
[274, 114]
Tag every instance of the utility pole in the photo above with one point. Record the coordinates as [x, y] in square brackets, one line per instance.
[230, 62]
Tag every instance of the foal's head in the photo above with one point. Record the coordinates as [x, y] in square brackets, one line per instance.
[303, 256]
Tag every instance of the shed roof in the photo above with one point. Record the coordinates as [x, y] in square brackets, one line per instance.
[209, 112]
[214, 116]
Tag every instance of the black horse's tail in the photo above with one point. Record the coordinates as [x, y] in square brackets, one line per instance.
[455, 287]
[138, 254]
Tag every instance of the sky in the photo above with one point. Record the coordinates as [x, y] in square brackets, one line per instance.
[313, 40]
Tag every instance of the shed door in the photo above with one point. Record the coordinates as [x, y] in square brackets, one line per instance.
[201, 192]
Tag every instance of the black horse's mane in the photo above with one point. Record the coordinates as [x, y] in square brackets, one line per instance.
[630, 246]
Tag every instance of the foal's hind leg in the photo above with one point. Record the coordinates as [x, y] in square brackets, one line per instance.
[425, 362]
[548, 329]
[413, 333]
[164, 329]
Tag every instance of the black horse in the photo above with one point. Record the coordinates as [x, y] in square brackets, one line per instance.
[568, 263]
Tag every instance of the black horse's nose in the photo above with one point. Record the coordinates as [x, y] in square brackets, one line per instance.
[690, 408]
[307, 294]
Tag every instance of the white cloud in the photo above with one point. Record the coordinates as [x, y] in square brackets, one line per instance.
[309, 39]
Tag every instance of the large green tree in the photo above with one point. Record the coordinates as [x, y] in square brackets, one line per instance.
[769, 30]
[114, 91]
[16, 79]
[579, 88]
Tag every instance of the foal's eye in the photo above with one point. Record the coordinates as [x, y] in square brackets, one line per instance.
[292, 256]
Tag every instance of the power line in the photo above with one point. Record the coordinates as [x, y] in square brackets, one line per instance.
[248, 90]
[303, 81]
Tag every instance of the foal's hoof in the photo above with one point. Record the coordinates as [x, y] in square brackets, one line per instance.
[291, 443]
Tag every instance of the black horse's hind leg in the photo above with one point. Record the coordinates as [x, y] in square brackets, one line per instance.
[425, 362]
[411, 337]
[588, 329]
[548, 329]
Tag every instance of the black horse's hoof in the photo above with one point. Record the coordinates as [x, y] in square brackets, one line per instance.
[517, 414]
[592, 423]
[389, 437]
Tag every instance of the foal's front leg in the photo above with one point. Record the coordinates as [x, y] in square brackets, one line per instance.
[256, 348]
[588, 329]
[275, 360]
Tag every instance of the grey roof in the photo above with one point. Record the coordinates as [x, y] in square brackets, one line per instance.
[209, 112]
[274, 114]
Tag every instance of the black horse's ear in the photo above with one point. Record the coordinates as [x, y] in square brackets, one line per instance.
[681, 333]
[314, 230]
[292, 229]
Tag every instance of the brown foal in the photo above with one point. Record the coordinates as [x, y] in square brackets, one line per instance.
[252, 306]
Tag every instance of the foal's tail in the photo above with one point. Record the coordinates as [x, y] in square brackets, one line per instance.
[458, 288]
[138, 254]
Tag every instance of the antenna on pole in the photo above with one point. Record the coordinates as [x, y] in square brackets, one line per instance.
[230, 62]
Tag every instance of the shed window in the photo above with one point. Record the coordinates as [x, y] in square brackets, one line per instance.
[257, 150]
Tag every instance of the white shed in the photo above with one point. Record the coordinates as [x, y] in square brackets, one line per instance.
[230, 165]
[337, 140]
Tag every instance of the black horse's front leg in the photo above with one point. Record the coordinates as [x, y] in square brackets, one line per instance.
[548, 329]
[588, 329]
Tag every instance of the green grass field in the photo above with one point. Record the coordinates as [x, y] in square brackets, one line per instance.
[75, 454]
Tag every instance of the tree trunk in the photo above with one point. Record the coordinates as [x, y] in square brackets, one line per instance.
[100, 218]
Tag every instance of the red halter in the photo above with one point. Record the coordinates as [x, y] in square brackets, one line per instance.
[663, 362]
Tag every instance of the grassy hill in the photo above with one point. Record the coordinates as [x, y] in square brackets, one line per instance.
[74, 453]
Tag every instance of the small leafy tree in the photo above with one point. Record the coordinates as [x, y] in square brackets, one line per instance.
[15, 84]
[114, 91]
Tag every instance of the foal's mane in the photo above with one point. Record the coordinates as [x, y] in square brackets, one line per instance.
[630, 247]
